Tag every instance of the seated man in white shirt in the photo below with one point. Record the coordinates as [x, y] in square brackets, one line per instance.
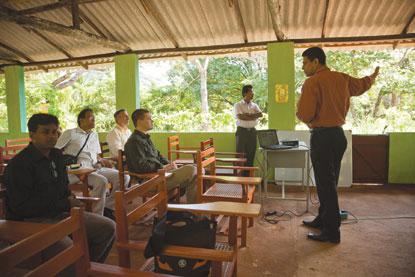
[117, 138]
[72, 141]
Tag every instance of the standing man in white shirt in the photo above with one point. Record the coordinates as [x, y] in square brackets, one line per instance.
[72, 141]
[117, 138]
[247, 114]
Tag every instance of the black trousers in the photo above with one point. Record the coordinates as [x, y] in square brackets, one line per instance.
[327, 149]
[246, 143]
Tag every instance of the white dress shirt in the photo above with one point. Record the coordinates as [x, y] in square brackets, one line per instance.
[72, 140]
[116, 139]
[250, 108]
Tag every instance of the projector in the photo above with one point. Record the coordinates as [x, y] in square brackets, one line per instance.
[292, 143]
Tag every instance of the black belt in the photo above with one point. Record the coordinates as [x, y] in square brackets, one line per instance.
[321, 129]
[246, 129]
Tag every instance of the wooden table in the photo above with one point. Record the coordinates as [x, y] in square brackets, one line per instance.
[231, 209]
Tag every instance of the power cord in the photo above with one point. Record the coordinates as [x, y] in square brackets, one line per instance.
[273, 217]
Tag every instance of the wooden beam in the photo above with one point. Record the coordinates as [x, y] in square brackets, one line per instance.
[60, 49]
[7, 59]
[85, 18]
[240, 20]
[42, 24]
[76, 24]
[274, 10]
[323, 30]
[17, 52]
[242, 47]
[54, 6]
[160, 21]
[405, 29]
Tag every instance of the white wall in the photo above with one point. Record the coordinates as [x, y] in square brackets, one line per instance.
[294, 174]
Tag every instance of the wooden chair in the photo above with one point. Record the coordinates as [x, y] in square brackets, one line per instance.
[37, 237]
[174, 150]
[223, 257]
[17, 142]
[213, 187]
[123, 170]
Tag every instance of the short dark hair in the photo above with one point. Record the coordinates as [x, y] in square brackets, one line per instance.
[118, 112]
[41, 119]
[315, 53]
[82, 115]
[138, 114]
[245, 89]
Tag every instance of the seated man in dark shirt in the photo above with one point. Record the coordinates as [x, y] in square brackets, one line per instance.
[37, 190]
[143, 157]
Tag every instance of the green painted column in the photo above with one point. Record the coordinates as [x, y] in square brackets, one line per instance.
[126, 83]
[15, 94]
[281, 76]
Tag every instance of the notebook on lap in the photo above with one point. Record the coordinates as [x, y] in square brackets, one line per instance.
[268, 139]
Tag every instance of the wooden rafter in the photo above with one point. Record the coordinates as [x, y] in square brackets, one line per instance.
[241, 47]
[275, 12]
[42, 24]
[17, 52]
[54, 6]
[323, 30]
[150, 9]
[76, 24]
[240, 19]
[405, 29]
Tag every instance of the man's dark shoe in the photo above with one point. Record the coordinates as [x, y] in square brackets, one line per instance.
[324, 237]
[313, 223]
[109, 213]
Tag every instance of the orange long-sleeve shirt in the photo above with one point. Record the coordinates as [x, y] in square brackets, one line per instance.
[325, 97]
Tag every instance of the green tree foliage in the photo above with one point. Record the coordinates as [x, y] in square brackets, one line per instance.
[177, 107]
[3, 105]
[93, 88]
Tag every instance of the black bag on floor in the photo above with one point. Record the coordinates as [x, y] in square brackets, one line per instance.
[183, 229]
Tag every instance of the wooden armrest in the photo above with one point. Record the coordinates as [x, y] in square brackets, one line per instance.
[189, 148]
[13, 231]
[141, 175]
[106, 270]
[250, 168]
[87, 198]
[229, 153]
[191, 152]
[147, 175]
[234, 179]
[198, 253]
[231, 160]
[221, 208]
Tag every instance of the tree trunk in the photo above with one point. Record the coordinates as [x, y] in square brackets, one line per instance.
[377, 104]
[202, 65]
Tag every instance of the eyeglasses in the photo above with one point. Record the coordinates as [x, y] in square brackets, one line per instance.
[54, 172]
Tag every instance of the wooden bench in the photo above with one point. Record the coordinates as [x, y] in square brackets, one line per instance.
[35, 237]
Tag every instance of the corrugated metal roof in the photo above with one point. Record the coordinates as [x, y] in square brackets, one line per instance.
[164, 28]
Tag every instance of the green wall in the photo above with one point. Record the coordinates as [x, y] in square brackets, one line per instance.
[281, 72]
[402, 158]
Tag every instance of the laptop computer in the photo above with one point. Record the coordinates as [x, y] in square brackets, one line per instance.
[268, 139]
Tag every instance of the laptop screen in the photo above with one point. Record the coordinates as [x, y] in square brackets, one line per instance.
[267, 137]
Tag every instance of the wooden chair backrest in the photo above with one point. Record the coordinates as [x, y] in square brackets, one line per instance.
[20, 141]
[205, 161]
[173, 144]
[206, 144]
[105, 150]
[8, 152]
[126, 215]
[77, 254]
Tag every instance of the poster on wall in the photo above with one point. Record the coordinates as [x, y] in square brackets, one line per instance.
[281, 93]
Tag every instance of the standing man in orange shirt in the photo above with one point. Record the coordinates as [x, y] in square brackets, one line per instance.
[323, 106]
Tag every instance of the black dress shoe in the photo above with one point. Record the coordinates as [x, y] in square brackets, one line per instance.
[109, 213]
[324, 237]
[316, 223]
